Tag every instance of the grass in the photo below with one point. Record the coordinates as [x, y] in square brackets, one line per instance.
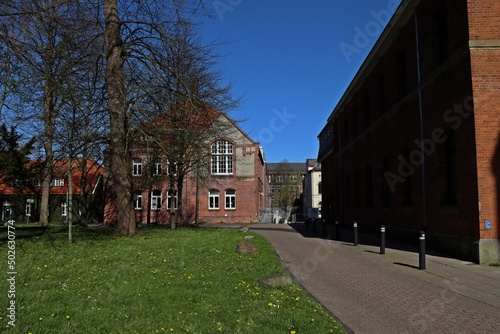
[162, 281]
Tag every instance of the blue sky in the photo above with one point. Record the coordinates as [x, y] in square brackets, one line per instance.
[291, 61]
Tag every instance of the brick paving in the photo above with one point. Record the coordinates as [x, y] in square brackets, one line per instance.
[373, 293]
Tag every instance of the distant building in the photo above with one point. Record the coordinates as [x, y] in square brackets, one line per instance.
[20, 200]
[312, 190]
[286, 185]
[414, 142]
[232, 187]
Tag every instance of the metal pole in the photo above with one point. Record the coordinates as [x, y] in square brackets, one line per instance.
[421, 119]
[382, 239]
[422, 251]
[355, 226]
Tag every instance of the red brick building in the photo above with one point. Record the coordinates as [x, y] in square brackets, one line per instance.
[21, 201]
[233, 189]
[414, 142]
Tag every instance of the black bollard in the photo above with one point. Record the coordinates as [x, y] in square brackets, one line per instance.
[355, 226]
[422, 251]
[337, 230]
[382, 239]
[324, 226]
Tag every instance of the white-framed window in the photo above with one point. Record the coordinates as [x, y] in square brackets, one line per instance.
[28, 208]
[171, 168]
[157, 167]
[156, 200]
[230, 199]
[280, 178]
[213, 199]
[137, 167]
[169, 200]
[64, 209]
[222, 158]
[138, 201]
[57, 183]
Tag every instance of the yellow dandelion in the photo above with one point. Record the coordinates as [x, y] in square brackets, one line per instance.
[67, 317]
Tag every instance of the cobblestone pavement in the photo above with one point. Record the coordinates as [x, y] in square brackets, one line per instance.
[373, 293]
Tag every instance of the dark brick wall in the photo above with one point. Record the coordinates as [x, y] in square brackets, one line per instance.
[377, 128]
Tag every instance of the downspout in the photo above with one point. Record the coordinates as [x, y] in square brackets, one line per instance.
[420, 107]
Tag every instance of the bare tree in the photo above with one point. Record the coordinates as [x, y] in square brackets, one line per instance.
[46, 40]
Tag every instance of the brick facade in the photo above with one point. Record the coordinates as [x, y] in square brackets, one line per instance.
[372, 146]
[246, 182]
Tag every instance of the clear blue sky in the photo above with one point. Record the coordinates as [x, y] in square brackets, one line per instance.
[291, 61]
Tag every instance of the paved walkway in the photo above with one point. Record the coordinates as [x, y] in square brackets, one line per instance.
[373, 293]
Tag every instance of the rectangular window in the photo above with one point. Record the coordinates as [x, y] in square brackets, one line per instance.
[57, 183]
[451, 169]
[348, 191]
[366, 110]
[64, 209]
[157, 168]
[138, 201]
[381, 95]
[369, 187]
[137, 167]
[171, 205]
[407, 185]
[357, 197]
[230, 199]
[319, 187]
[28, 208]
[213, 199]
[385, 185]
[156, 200]
[280, 178]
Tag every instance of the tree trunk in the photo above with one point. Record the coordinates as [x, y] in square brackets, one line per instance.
[120, 159]
[48, 122]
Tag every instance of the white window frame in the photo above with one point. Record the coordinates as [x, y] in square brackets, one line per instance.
[64, 209]
[138, 201]
[169, 199]
[213, 199]
[57, 183]
[137, 167]
[222, 158]
[28, 209]
[157, 167]
[230, 199]
[156, 200]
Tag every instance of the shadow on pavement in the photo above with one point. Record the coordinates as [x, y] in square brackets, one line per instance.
[369, 238]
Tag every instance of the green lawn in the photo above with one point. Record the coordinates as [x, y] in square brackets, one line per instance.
[162, 281]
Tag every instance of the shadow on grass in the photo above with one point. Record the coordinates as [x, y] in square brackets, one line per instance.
[50, 232]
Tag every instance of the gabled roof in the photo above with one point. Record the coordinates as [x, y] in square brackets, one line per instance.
[93, 171]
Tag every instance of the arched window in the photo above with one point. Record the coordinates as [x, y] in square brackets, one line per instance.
[213, 199]
[222, 158]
